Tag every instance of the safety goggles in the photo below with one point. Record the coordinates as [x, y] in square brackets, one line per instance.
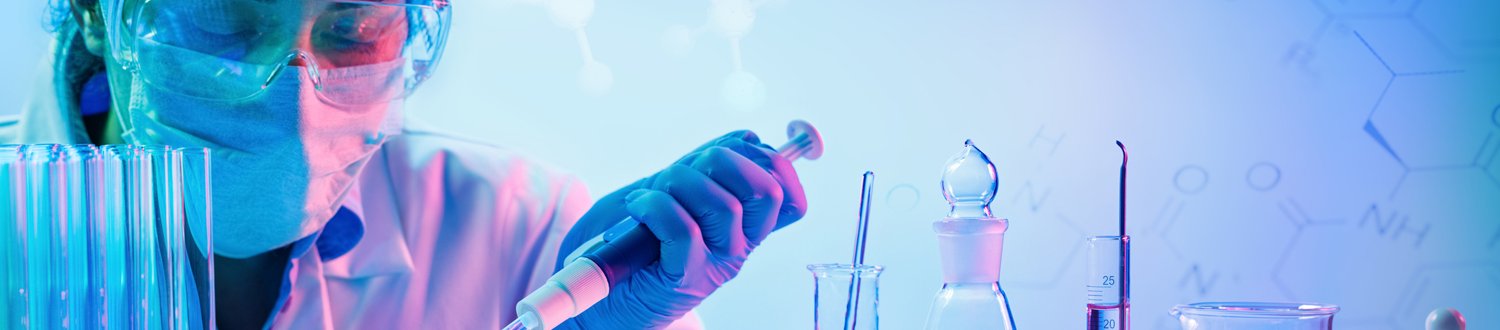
[356, 52]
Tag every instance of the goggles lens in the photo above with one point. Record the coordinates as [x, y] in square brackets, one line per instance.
[358, 52]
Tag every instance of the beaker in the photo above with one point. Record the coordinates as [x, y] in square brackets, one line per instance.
[834, 285]
[1255, 316]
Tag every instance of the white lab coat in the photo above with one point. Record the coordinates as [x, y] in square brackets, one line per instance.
[455, 231]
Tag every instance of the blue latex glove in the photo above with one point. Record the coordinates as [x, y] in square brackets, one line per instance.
[710, 209]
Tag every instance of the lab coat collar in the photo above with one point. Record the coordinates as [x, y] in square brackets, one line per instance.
[383, 249]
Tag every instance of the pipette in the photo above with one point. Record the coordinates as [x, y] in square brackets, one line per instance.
[611, 257]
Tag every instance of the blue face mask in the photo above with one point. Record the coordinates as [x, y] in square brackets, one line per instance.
[282, 160]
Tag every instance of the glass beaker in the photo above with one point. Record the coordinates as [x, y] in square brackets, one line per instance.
[1255, 316]
[834, 285]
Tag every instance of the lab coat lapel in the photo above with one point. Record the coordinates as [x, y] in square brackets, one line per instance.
[383, 250]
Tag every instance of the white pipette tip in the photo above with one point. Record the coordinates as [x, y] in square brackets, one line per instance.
[518, 324]
[566, 294]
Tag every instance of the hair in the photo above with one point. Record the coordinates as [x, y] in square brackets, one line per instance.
[62, 19]
[60, 13]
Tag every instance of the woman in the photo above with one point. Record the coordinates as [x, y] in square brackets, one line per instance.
[330, 213]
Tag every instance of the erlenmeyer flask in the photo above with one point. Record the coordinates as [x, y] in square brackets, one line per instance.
[970, 241]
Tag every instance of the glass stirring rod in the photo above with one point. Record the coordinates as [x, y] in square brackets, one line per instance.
[866, 192]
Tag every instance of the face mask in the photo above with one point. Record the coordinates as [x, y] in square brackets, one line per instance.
[282, 160]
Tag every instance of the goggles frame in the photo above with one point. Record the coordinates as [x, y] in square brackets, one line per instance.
[125, 46]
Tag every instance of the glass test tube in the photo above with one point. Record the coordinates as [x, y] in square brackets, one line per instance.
[107, 237]
[142, 260]
[167, 165]
[1108, 300]
[47, 267]
[71, 243]
[13, 238]
[35, 159]
[195, 288]
[89, 193]
[52, 213]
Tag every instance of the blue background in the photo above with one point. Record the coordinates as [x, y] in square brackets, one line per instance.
[1338, 151]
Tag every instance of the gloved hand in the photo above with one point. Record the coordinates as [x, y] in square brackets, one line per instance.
[710, 209]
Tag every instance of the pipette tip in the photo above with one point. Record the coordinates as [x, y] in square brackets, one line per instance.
[515, 325]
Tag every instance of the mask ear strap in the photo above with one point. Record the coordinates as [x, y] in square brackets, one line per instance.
[112, 13]
[395, 118]
[126, 116]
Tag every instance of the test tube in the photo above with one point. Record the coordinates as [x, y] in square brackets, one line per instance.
[107, 237]
[37, 235]
[71, 202]
[195, 288]
[1108, 302]
[47, 235]
[90, 192]
[166, 165]
[13, 237]
[142, 257]
[56, 235]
